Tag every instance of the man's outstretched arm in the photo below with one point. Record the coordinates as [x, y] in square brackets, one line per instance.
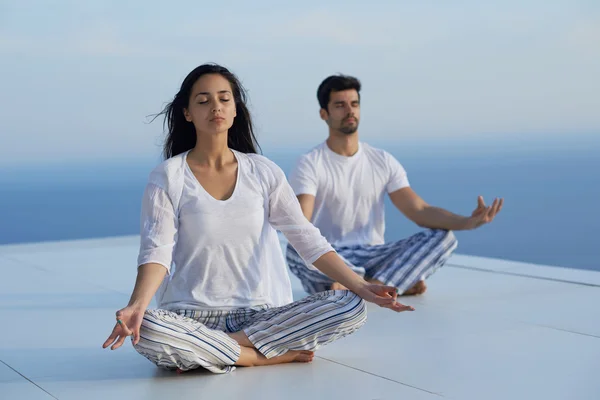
[417, 210]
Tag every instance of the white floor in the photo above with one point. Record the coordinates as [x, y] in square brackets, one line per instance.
[486, 329]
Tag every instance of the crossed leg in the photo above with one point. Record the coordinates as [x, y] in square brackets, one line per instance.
[250, 357]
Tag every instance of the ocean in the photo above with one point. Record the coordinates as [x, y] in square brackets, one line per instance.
[551, 213]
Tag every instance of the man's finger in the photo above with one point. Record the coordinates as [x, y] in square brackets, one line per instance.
[494, 209]
[496, 206]
[480, 202]
[488, 213]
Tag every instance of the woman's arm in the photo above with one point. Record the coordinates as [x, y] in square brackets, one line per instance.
[334, 267]
[385, 296]
[149, 278]
[157, 240]
[285, 214]
[129, 319]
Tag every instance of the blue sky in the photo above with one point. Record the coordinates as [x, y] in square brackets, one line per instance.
[78, 78]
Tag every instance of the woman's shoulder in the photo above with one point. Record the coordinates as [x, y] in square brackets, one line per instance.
[167, 171]
[262, 166]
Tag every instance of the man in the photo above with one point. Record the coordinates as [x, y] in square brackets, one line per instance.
[341, 185]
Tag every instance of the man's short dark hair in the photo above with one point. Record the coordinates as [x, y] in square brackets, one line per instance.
[336, 83]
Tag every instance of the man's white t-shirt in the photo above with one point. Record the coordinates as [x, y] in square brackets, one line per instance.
[349, 191]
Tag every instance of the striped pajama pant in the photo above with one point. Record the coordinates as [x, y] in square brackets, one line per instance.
[401, 264]
[189, 339]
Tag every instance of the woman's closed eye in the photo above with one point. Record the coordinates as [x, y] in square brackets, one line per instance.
[206, 101]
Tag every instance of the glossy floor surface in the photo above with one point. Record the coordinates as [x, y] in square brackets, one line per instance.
[485, 329]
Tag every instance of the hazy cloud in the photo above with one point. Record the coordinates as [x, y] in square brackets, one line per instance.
[78, 76]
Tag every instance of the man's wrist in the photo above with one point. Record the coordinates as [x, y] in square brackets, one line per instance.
[466, 223]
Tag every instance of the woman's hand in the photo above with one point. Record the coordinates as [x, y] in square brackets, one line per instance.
[129, 321]
[384, 296]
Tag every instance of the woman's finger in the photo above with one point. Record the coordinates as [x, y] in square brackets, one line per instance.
[384, 302]
[136, 336]
[119, 342]
[392, 291]
[112, 337]
[399, 307]
[126, 330]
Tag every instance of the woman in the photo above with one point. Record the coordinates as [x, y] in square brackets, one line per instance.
[210, 253]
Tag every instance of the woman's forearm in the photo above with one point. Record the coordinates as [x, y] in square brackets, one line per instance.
[149, 278]
[334, 267]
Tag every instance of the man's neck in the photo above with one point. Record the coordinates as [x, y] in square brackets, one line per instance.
[346, 145]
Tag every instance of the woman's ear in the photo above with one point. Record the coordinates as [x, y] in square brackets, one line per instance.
[187, 115]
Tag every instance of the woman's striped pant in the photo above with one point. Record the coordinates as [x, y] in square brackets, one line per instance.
[188, 339]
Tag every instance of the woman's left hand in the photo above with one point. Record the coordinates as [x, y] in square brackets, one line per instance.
[383, 296]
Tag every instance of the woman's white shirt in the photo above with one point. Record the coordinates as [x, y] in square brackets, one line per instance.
[224, 254]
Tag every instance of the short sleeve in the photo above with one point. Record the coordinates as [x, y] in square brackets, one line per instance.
[303, 178]
[158, 228]
[398, 178]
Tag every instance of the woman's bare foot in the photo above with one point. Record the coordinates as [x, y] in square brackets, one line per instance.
[250, 357]
[338, 286]
[418, 288]
[295, 356]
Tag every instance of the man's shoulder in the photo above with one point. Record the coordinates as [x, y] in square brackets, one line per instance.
[313, 153]
[310, 158]
[374, 150]
[377, 154]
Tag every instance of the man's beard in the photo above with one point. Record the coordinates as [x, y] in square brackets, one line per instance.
[349, 129]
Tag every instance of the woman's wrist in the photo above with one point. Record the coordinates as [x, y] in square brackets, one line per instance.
[357, 284]
[137, 305]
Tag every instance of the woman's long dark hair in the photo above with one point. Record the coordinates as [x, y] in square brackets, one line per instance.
[182, 134]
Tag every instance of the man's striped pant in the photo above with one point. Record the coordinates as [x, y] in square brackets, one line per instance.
[189, 339]
[401, 264]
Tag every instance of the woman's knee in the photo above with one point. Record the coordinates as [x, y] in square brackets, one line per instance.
[352, 308]
[153, 344]
[185, 347]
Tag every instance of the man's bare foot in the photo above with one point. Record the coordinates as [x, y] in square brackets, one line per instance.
[375, 281]
[418, 288]
[250, 357]
[338, 286]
